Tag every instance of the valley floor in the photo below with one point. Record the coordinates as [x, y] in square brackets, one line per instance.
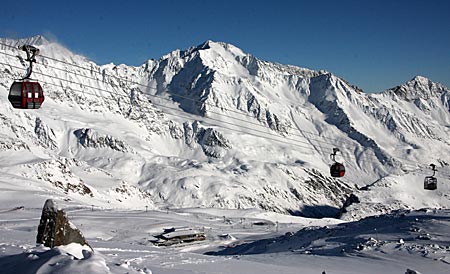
[254, 241]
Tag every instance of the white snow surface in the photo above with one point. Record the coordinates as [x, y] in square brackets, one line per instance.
[237, 241]
[208, 132]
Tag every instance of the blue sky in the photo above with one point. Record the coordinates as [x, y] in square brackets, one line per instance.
[373, 44]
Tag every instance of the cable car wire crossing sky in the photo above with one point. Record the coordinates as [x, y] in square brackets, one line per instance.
[215, 122]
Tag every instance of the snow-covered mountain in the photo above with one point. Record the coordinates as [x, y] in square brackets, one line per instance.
[213, 126]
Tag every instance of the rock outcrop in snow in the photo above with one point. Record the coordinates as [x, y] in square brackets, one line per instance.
[89, 138]
[55, 229]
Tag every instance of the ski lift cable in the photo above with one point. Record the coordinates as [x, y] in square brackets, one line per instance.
[176, 109]
[193, 116]
[410, 163]
[219, 114]
[183, 97]
[213, 112]
[206, 103]
[172, 94]
[159, 97]
[426, 170]
[233, 129]
[191, 99]
[203, 120]
[183, 116]
[349, 145]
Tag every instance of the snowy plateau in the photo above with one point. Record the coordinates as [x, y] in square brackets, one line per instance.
[213, 139]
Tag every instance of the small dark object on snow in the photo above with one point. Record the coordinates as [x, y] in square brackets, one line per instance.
[55, 228]
[337, 169]
[430, 182]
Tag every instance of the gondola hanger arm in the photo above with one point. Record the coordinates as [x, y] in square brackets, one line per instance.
[31, 58]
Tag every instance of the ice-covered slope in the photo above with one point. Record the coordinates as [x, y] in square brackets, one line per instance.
[211, 126]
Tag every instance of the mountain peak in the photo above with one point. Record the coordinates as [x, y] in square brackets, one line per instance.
[211, 43]
[420, 79]
[424, 84]
[208, 43]
[37, 40]
[220, 47]
[419, 87]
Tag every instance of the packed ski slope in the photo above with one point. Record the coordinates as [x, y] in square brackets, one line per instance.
[212, 127]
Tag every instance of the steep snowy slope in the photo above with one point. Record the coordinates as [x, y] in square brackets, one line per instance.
[212, 126]
[122, 151]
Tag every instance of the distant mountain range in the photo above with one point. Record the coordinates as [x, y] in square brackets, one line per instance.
[213, 126]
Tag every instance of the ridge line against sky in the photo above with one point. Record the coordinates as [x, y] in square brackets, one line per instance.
[375, 45]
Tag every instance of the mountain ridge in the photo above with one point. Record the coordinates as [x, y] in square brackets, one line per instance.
[213, 126]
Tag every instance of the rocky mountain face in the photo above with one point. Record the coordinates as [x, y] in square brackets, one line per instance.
[213, 126]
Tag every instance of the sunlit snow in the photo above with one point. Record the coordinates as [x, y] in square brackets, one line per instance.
[215, 140]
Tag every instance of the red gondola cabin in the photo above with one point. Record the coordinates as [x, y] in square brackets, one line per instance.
[26, 94]
[337, 170]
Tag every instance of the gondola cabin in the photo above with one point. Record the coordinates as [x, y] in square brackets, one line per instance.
[430, 183]
[26, 94]
[337, 170]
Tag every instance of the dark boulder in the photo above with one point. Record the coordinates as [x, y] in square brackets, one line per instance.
[55, 228]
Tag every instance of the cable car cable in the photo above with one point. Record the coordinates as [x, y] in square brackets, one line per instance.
[166, 99]
[120, 78]
[107, 91]
[175, 109]
[172, 94]
[183, 116]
